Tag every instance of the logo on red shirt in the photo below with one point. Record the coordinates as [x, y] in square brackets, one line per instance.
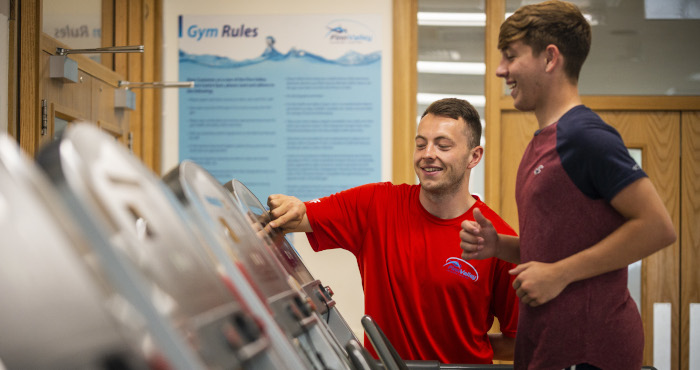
[462, 268]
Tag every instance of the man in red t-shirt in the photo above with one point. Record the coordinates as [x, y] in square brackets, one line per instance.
[430, 303]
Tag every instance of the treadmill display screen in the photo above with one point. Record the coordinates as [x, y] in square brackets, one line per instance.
[260, 217]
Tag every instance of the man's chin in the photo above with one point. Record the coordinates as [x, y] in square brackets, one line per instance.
[431, 186]
[522, 106]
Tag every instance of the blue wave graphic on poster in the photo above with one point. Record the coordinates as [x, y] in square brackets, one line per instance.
[271, 54]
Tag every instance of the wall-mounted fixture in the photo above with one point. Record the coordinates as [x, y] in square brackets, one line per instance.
[66, 69]
[126, 99]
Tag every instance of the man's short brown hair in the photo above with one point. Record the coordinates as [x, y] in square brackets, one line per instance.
[457, 108]
[550, 22]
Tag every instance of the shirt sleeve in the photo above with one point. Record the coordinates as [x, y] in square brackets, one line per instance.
[595, 158]
[505, 301]
[340, 220]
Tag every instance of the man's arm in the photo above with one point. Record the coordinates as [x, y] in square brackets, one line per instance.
[648, 229]
[288, 213]
[480, 241]
[503, 346]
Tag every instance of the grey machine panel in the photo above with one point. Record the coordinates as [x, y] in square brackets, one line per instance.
[239, 248]
[291, 261]
[155, 257]
[55, 312]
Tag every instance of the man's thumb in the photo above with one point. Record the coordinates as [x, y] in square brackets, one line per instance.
[479, 218]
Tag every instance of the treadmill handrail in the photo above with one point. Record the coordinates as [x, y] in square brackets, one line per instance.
[386, 351]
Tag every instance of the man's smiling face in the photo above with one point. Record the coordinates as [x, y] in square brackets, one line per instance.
[441, 155]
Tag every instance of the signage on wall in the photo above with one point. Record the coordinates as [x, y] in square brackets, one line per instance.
[286, 104]
[74, 23]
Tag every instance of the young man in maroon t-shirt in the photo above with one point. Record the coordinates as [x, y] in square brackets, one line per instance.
[586, 209]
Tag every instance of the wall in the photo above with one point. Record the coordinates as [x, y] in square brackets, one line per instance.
[4, 62]
[337, 269]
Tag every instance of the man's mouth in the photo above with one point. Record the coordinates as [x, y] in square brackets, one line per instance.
[432, 169]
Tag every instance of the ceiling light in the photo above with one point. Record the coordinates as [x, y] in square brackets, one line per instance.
[467, 19]
[452, 68]
[452, 19]
[427, 98]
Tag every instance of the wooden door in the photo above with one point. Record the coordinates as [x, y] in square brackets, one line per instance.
[657, 134]
[62, 101]
[690, 236]
[90, 99]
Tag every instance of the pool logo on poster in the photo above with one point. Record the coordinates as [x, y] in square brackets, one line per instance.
[345, 31]
[461, 268]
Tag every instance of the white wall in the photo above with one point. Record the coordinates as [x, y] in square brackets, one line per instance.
[337, 268]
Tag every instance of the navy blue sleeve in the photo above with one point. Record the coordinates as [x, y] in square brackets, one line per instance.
[594, 155]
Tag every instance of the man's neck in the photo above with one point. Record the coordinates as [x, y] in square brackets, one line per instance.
[446, 206]
[556, 104]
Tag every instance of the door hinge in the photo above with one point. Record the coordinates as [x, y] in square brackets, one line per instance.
[44, 118]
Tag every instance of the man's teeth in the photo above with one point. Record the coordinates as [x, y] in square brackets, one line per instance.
[432, 169]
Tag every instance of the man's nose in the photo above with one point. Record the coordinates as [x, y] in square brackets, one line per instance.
[429, 151]
[501, 70]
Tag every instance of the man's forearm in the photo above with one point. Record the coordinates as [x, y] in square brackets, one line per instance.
[631, 242]
[508, 248]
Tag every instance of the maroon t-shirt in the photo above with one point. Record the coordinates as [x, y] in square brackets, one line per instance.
[568, 174]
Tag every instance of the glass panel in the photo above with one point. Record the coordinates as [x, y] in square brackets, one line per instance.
[638, 48]
[451, 59]
[634, 271]
[76, 23]
[59, 124]
[451, 51]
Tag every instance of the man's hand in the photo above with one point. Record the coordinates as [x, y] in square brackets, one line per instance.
[479, 238]
[537, 283]
[288, 213]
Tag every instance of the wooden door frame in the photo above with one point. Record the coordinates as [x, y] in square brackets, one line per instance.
[405, 86]
[28, 67]
[405, 89]
[24, 115]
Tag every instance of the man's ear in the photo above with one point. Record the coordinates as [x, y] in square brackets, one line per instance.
[475, 156]
[553, 57]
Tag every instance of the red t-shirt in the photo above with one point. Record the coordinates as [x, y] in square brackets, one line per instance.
[431, 304]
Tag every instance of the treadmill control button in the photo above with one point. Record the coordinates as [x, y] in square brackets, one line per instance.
[303, 306]
[310, 304]
[241, 329]
[233, 337]
[294, 312]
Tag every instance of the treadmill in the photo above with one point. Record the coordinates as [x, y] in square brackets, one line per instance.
[243, 255]
[142, 236]
[56, 311]
[285, 252]
[291, 261]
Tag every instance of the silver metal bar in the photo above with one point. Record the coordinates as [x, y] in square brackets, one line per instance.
[137, 85]
[111, 49]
